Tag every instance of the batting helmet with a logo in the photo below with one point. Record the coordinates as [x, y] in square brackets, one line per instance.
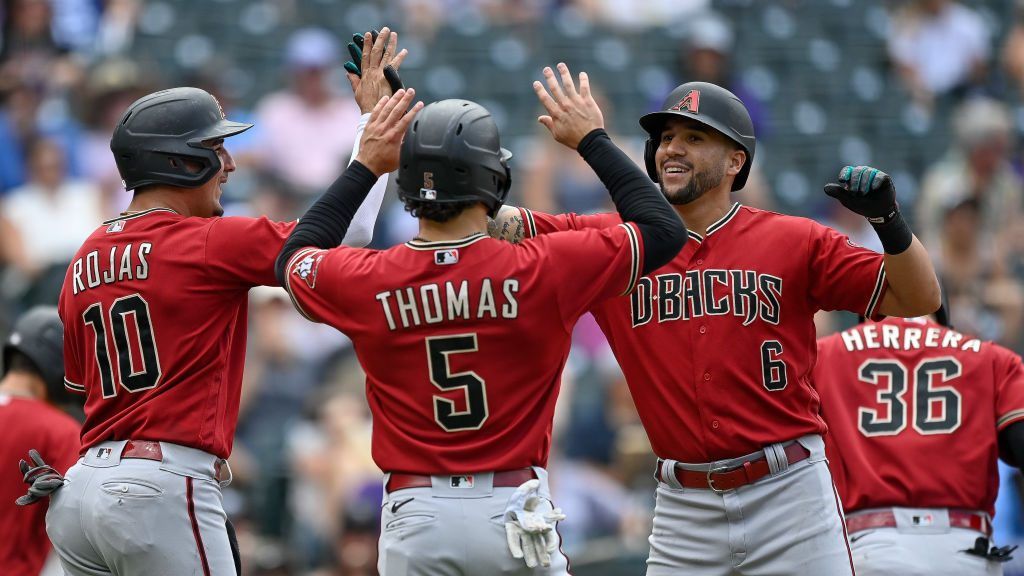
[710, 105]
[160, 132]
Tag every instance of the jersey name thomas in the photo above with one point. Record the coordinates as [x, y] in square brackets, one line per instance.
[436, 303]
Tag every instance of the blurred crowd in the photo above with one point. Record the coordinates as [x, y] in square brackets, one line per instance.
[306, 493]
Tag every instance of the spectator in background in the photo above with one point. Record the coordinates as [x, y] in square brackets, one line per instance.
[939, 47]
[984, 300]
[977, 166]
[44, 222]
[307, 129]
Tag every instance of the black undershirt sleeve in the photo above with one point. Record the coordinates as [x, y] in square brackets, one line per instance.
[636, 198]
[1011, 444]
[325, 223]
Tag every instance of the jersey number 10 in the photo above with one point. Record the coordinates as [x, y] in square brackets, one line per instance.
[134, 377]
[925, 397]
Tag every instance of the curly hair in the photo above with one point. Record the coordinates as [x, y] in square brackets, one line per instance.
[436, 211]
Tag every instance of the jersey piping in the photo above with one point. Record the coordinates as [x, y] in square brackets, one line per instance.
[139, 214]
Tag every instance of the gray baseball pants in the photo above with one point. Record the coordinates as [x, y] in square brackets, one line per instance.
[789, 523]
[916, 550]
[135, 517]
[446, 531]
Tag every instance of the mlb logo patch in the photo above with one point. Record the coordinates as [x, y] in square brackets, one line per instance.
[462, 481]
[104, 453]
[442, 257]
[116, 227]
[428, 194]
[923, 520]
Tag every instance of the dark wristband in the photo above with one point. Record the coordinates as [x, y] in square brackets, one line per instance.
[894, 233]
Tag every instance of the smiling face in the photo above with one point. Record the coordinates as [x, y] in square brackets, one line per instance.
[209, 193]
[693, 159]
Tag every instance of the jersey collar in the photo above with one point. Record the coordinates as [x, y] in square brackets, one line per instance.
[717, 224]
[137, 214]
[443, 244]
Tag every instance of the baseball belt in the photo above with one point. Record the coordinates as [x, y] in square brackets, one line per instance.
[720, 480]
[970, 519]
[149, 450]
[502, 479]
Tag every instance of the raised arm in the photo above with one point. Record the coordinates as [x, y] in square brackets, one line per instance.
[373, 76]
[575, 120]
[913, 288]
[326, 222]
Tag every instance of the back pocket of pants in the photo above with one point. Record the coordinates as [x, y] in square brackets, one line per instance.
[131, 488]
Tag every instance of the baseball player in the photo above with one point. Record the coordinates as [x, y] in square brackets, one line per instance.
[154, 310]
[717, 346]
[32, 415]
[917, 414]
[463, 338]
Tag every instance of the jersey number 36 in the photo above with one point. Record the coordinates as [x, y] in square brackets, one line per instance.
[936, 407]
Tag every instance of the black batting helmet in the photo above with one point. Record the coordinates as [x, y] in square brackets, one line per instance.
[39, 336]
[160, 130]
[710, 105]
[452, 153]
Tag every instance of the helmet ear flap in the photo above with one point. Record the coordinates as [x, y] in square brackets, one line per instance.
[650, 148]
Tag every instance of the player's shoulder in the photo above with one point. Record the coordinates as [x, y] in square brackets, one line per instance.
[775, 219]
[38, 414]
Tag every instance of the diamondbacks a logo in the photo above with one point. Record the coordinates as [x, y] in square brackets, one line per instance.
[446, 256]
[306, 269]
[690, 102]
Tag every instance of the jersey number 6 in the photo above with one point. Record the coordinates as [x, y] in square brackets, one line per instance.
[472, 385]
[134, 377]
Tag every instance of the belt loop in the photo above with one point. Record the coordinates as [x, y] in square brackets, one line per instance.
[775, 455]
[668, 474]
[231, 476]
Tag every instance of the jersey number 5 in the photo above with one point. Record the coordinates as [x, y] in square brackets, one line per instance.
[472, 385]
[134, 376]
[936, 408]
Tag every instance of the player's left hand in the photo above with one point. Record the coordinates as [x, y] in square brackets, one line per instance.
[373, 70]
[867, 191]
[530, 525]
[42, 479]
[571, 115]
[380, 147]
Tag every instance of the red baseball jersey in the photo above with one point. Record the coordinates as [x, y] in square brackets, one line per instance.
[913, 410]
[154, 310]
[463, 343]
[28, 424]
[717, 346]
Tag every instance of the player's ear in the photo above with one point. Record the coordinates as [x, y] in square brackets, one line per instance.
[737, 158]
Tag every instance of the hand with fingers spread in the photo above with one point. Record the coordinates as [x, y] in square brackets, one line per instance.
[42, 479]
[382, 140]
[373, 70]
[571, 115]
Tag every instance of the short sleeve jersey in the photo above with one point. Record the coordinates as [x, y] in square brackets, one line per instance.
[154, 308]
[914, 410]
[29, 424]
[717, 346]
[463, 343]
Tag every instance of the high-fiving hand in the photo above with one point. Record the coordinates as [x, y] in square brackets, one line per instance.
[571, 115]
[382, 139]
[373, 71]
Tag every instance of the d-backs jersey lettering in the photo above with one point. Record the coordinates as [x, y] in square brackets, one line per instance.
[717, 346]
[154, 310]
[463, 342]
[913, 411]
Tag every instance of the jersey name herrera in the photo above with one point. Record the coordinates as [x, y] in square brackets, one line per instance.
[120, 263]
[436, 303]
[675, 296]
